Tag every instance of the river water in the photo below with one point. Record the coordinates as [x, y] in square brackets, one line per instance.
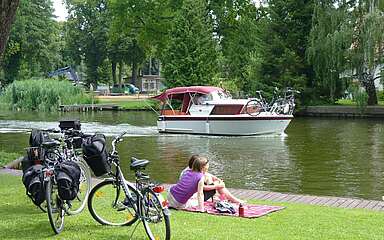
[331, 157]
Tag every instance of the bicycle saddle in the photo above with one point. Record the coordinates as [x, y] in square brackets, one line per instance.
[137, 164]
[50, 144]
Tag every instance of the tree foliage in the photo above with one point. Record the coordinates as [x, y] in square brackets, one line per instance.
[347, 42]
[191, 56]
[235, 25]
[7, 15]
[280, 61]
[32, 46]
[87, 36]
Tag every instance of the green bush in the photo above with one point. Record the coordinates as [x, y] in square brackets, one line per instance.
[42, 95]
[361, 99]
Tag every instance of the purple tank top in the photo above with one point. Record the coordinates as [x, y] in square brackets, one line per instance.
[186, 186]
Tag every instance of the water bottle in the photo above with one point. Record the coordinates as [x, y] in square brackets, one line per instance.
[241, 210]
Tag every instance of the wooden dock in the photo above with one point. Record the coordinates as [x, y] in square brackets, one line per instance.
[88, 107]
[246, 194]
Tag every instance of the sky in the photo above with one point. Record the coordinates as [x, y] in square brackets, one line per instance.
[60, 10]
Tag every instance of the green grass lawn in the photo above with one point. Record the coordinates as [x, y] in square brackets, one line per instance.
[349, 102]
[20, 219]
[6, 157]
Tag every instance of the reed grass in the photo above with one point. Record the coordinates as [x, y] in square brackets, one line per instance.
[42, 95]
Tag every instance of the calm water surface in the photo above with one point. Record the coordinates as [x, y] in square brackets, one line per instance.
[334, 157]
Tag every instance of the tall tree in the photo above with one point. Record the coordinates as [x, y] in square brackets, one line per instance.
[143, 25]
[87, 22]
[347, 37]
[32, 46]
[7, 15]
[367, 47]
[191, 56]
[235, 25]
[330, 38]
[284, 33]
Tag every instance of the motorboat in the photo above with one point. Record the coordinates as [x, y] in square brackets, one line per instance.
[209, 110]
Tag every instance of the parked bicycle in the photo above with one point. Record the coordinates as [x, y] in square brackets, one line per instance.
[61, 159]
[117, 202]
[277, 105]
[57, 179]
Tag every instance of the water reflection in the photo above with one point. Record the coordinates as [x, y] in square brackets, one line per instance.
[338, 157]
[335, 157]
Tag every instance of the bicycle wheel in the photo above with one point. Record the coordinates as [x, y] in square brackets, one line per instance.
[155, 218]
[108, 204]
[54, 207]
[253, 108]
[78, 204]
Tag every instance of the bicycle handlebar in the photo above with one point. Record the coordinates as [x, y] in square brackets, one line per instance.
[117, 139]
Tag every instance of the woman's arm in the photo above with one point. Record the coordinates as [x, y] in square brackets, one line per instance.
[200, 194]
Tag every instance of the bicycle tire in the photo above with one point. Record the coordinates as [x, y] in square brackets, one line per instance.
[257, 106]
[79, 203]
[107, 204]
[54, 207]
[155, 217]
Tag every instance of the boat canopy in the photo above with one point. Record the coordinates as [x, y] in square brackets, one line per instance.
[178, 92]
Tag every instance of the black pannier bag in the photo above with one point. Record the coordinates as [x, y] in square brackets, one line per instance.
[33, 181]
[70, 124]
[68, 179]
[37, 137]
[96, 155]
[34, 156]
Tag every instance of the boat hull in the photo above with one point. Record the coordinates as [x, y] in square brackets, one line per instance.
[237, 125]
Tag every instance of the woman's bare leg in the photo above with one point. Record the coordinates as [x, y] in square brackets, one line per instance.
[225, 194]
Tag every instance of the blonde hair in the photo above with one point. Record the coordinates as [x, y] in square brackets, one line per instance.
[199, 163]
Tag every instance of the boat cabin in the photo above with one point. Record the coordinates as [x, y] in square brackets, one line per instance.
[200, 101]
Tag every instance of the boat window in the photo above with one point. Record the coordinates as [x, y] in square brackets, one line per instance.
[173, 104]
[223, 95]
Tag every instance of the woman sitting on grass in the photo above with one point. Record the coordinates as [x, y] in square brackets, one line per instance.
[212, 184]
[191, 182]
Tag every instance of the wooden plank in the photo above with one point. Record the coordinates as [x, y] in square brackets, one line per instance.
[321, 201]
[273, 196]
[295, 198]
[363, 204]
[304, 199]
[282, 197]
[260, 195]
[338, 202]
[267, 196]
[379, 206]
[346, 203]
[317, 200]
[355, 203]
[371, 205]
[331, 200]
[290, 197]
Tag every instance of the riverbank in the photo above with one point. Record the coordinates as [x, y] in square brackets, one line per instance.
[320, 222]
[341, 111]
[116, 103]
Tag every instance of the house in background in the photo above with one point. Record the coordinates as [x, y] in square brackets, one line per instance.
[149, 80]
